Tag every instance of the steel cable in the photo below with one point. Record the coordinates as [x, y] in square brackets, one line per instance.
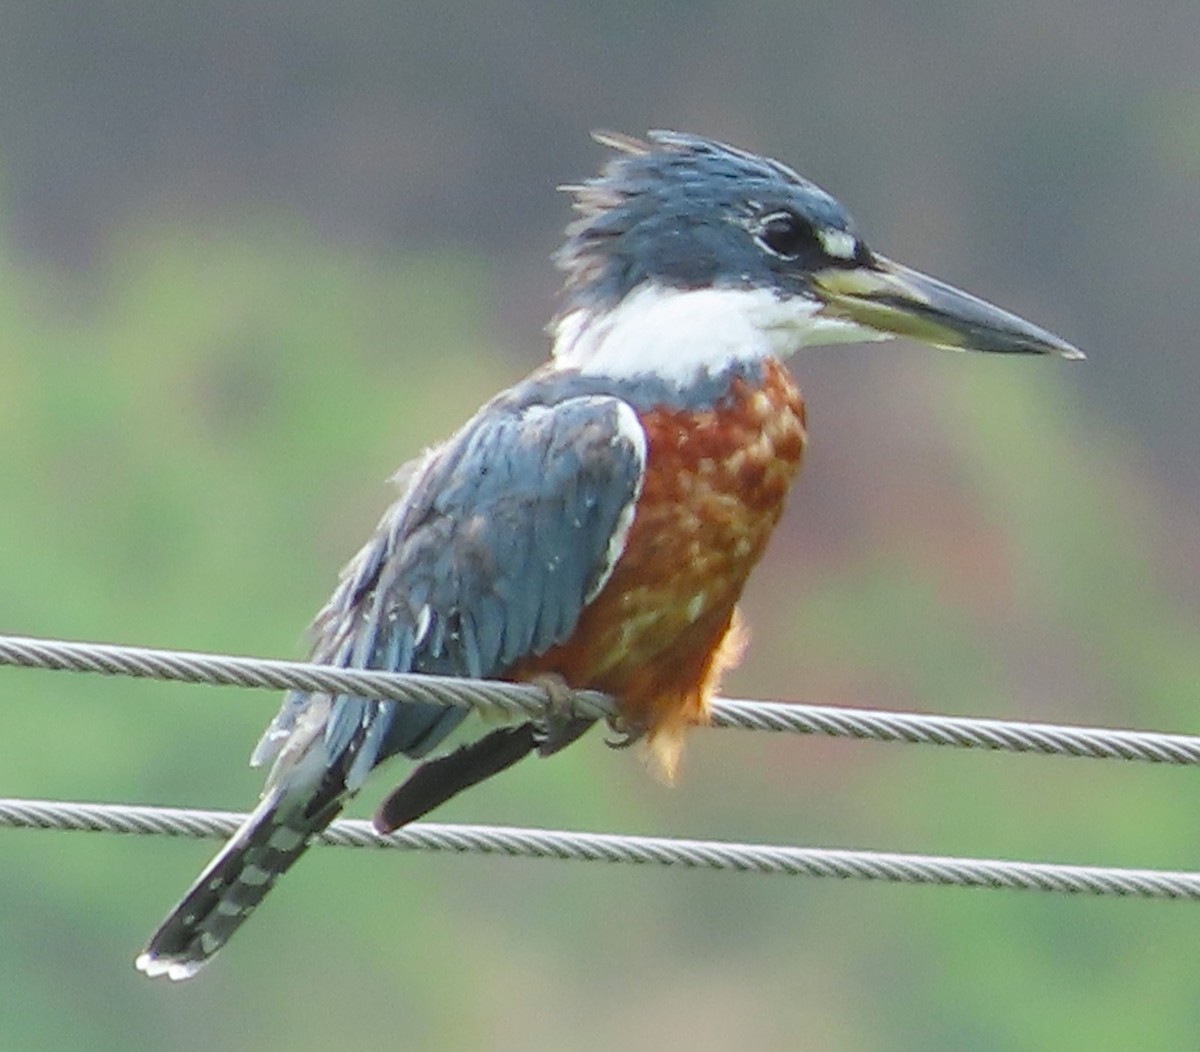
[514, 700]
[643, 850]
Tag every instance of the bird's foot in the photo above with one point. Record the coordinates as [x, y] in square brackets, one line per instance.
[559, 725]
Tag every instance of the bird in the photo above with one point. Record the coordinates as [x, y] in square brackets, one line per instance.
[592, 526]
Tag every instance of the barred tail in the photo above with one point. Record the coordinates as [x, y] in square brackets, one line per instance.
[266, 845]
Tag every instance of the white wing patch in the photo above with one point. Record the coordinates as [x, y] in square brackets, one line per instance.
[629, 431]
[421, 629]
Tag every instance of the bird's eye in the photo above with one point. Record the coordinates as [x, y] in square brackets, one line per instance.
[786, 235]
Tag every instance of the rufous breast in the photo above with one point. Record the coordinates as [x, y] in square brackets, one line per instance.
[656, 637]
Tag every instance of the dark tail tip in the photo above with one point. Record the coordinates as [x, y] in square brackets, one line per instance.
[232, 885]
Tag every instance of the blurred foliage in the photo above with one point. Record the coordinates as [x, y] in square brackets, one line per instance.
[191, 445]
[242, 279]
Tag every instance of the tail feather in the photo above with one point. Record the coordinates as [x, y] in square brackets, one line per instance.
[436, 781]
[266, 845]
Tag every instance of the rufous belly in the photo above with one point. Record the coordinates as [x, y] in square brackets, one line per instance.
[662, 630]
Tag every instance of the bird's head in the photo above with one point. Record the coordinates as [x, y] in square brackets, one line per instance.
[689, 256]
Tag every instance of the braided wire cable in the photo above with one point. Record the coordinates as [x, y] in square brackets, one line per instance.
[642, 850]
[514, 700]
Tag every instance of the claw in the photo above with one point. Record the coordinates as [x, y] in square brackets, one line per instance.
[623, 735]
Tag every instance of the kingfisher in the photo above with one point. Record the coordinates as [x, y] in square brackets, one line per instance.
[593, 526]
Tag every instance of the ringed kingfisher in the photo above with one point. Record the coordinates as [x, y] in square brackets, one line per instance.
[592, 526]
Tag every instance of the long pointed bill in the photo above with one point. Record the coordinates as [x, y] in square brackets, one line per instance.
[897, 301]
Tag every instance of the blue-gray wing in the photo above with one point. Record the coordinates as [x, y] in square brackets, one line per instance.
[500, 539]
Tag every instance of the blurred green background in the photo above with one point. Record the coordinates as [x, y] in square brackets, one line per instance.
[253, 256]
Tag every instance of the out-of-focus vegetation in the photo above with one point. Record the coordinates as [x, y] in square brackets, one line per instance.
[194, 475]
[252, 263]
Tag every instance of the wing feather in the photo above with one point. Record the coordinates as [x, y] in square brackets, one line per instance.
[500, 539]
